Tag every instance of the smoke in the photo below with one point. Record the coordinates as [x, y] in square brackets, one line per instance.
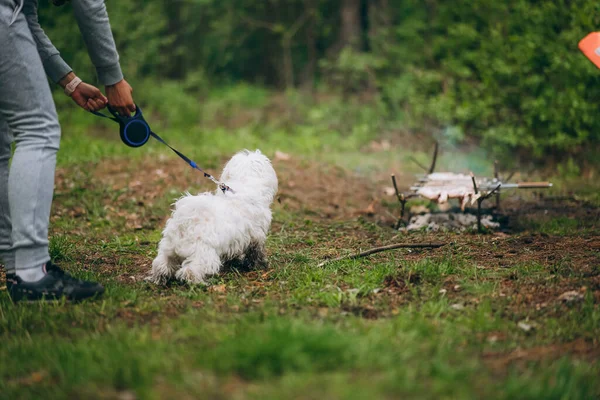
[456, 155]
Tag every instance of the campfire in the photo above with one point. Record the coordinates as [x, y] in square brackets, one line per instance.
[441, 187]
[448, 221]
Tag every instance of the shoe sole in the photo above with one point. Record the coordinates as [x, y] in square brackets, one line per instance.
[49, 298]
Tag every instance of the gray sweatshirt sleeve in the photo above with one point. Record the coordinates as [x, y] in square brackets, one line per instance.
[92, 19]
[56, 68]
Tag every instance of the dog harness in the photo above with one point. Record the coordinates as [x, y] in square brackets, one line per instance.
[135, 132]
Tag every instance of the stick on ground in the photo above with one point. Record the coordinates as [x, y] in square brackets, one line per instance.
[384, 248]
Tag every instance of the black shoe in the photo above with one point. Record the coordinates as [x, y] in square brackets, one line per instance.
[54, 285]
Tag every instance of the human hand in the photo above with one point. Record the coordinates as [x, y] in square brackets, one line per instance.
[120, 98]
[89, 97]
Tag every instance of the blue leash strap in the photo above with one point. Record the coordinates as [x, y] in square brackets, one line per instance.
[191, 163]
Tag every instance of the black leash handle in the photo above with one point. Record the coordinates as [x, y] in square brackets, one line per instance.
[138, 118]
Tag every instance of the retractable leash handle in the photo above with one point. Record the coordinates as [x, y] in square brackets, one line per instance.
[135, 132]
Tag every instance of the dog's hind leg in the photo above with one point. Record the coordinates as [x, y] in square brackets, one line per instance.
[203, 262]
[255, 256]
[164, 265]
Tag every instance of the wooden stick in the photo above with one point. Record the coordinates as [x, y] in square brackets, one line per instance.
[384, 248]
[401, 199]
[396, 188]
[435, 154]
[411, 158]
[497, 176]
[491, 193]
[496, 171]
[474, 183]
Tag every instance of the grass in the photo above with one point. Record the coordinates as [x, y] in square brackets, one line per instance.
[421, 324]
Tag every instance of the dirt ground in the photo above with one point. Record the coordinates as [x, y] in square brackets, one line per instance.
[325, 193]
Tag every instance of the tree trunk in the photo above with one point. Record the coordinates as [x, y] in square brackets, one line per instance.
[176, 68]
[350, 27]
[350, 32]
[379, 17]
[288, 62]
[308, 74]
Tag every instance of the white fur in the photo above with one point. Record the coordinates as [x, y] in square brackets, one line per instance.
[208, 229]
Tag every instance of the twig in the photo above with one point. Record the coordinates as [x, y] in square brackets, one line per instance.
[384, 248]
[435, 154]
[497, 176]
[474, 183]
[418, 163]
[291, 32]
[480, 200]
[260, 24]
[396, 187]
[491, 193]
[401, 199]
[496, 172]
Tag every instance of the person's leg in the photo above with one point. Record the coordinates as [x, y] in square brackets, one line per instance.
[6, 254]
[27, 106]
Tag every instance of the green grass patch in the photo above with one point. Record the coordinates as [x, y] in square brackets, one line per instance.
[399, 324]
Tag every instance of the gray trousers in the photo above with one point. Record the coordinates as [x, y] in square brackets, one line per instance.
[27, 116]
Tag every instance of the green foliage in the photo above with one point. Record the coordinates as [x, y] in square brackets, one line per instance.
[139, 28]
[507, 75]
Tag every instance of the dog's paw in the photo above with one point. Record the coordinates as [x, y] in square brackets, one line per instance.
[255, 265]
[190, 276]
[156, 279]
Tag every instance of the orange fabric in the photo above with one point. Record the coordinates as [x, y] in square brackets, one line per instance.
[590, 46]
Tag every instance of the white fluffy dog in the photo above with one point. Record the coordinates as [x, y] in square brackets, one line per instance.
[210, 229]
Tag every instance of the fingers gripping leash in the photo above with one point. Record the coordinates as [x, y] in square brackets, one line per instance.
[135, 132]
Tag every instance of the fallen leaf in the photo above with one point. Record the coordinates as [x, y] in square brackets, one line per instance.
[281, 156]
[126, 395]
[389, 191]
[370, 210]
[570, 296]
[33, 378]
[383, 145]
[526, 326]
[217, 289]
[160, 172]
